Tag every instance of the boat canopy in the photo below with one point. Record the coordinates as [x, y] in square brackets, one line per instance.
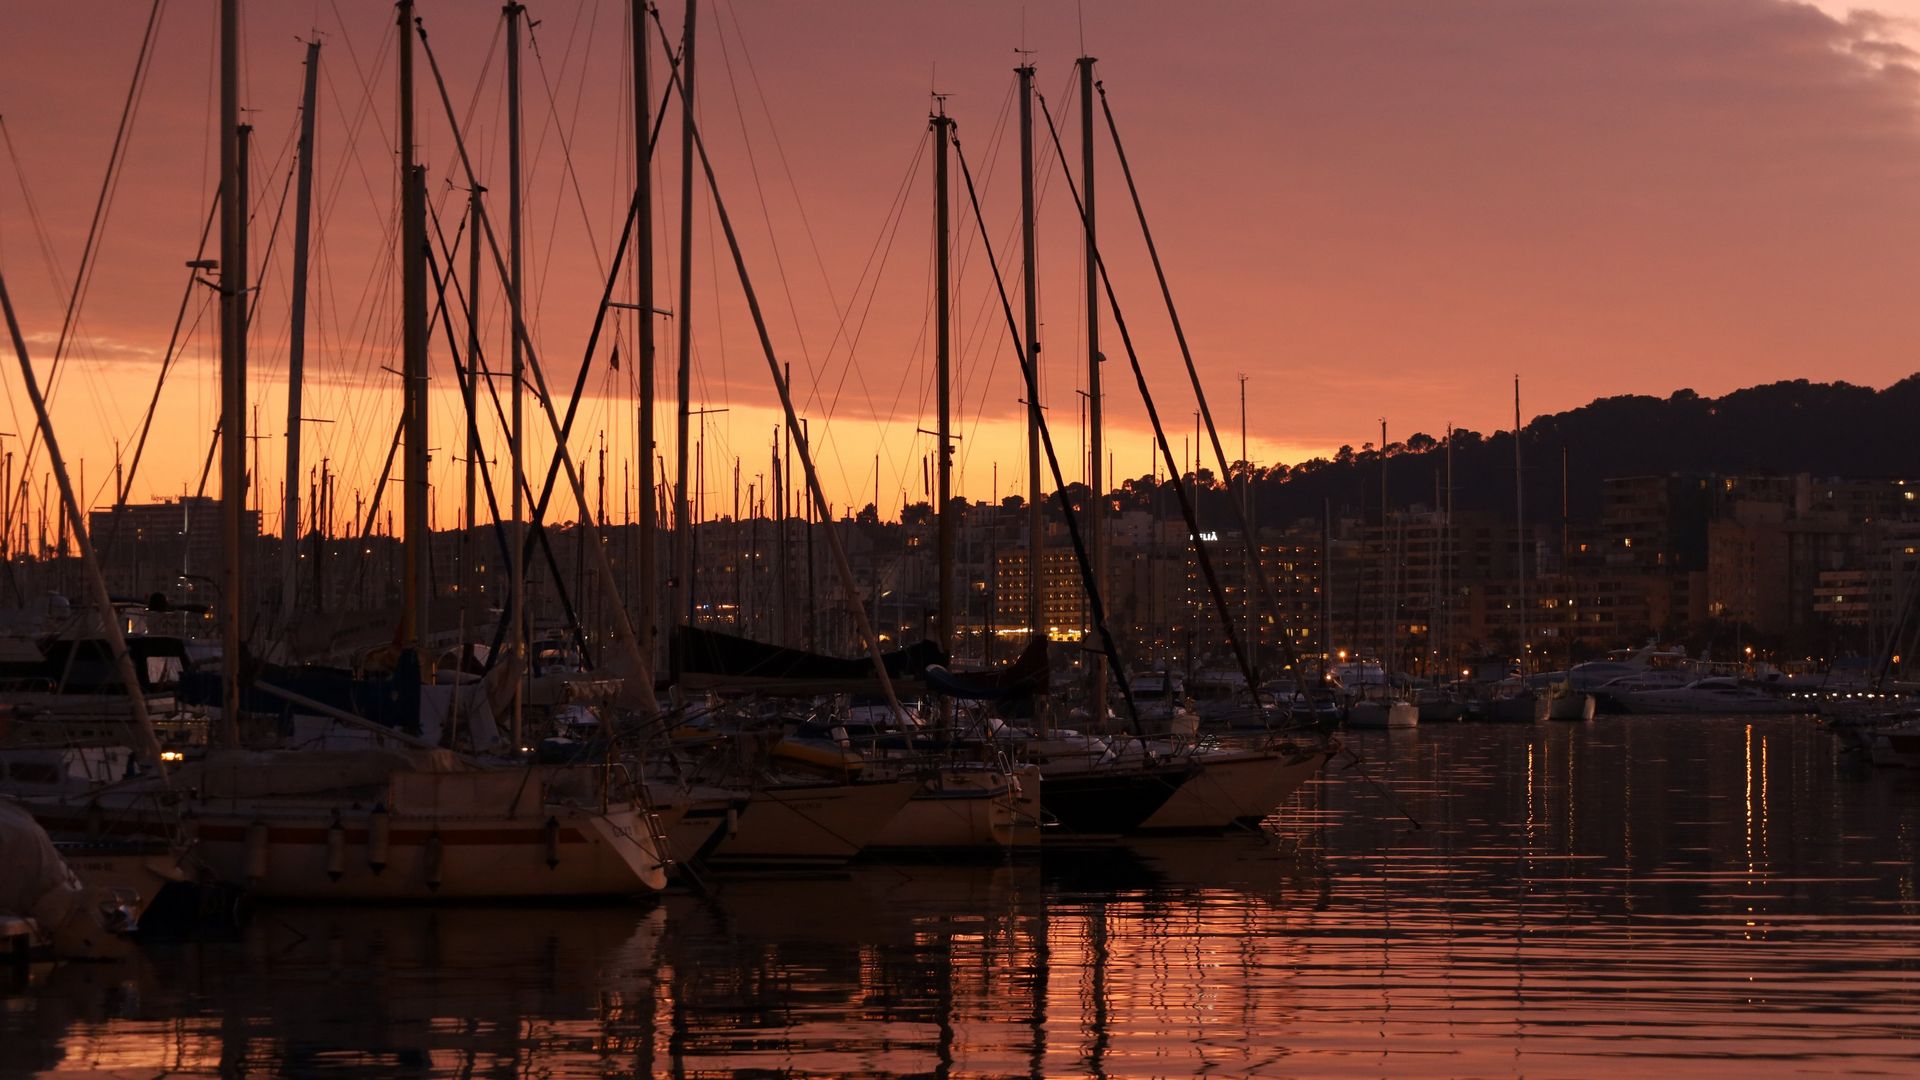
[710, 659]
[1023, 678]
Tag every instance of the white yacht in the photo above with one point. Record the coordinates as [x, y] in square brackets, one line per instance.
[1714, 696]
[1380, 712]
[1156, 694]
[1611, 696]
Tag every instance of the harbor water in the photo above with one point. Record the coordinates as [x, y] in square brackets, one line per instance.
[1633, 896]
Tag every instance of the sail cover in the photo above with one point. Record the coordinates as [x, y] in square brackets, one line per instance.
[1025, 677]
[711, 658]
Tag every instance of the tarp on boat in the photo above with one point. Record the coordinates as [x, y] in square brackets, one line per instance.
[390, 699]
[37, 882]
[1023, 678]
[711, 658]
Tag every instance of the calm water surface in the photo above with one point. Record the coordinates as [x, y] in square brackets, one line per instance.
[1630, 897]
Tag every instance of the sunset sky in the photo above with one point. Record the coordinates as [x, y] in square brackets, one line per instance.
[1369, 209]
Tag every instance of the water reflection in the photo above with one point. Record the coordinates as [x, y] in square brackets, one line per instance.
[1574, 900]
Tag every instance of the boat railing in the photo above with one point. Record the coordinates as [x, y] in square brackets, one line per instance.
[594, 784]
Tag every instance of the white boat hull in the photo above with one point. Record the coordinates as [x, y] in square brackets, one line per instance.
[1234, 787]
[959, 809]
[295, 853]
[487, 834]
[1683, 703]
[1382, 714]
[1575, 707]
[812, 823]
[702, 822]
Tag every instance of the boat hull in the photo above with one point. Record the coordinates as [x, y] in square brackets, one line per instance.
[1108, 800]
[1666, 703]
[1895, 748]
[958, 809]
[702, 823]
[812, 824]
[1234, 789]
[1516, 710]
[1381, 714]
[1575, 707]
[316, 852]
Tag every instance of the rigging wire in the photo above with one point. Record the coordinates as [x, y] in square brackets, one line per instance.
[1193, 373]
[55, 274]
[1096, 606]
[52, 259]
[566, 149]
[160, 381]
[103, 205]
[1241, 652]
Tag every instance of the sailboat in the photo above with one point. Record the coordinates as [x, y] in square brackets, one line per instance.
[1514, 701]
[399, 818]
[1122, 783]
[785, 819]
[1566, 703]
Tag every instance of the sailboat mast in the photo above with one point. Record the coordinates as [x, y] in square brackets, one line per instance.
[636, 690]
[943, 344]
[413, 271]
[297, 345]
[1520, 527]
[1447, 560]
[1036, 515]
[413, 365]
[1386, 594]
[1326, 584]
[471, 392]
[1096, 456]
[1251, 551]
[233, 371]
[517, 567]
[646, 616]
[1566, 528]
[682, 592]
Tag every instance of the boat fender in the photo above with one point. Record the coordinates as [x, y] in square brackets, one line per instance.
[336, 849]
[379, 837]
[733, 822]
[96, 819]
[433, 854]
[189, 828]
[553, 842]
[256, 851]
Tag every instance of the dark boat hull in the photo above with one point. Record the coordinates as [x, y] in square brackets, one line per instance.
[1109, 802]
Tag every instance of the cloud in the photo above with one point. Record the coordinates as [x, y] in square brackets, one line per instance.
[104, 349]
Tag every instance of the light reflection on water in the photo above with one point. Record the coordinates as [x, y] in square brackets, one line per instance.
[1620, 897]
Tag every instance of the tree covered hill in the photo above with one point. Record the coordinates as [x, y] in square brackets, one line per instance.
[1826, 429]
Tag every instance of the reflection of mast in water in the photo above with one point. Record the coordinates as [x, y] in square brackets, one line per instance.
[1100, 957]
[1037, 1016]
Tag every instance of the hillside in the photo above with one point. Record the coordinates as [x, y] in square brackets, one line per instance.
[1826, 429]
